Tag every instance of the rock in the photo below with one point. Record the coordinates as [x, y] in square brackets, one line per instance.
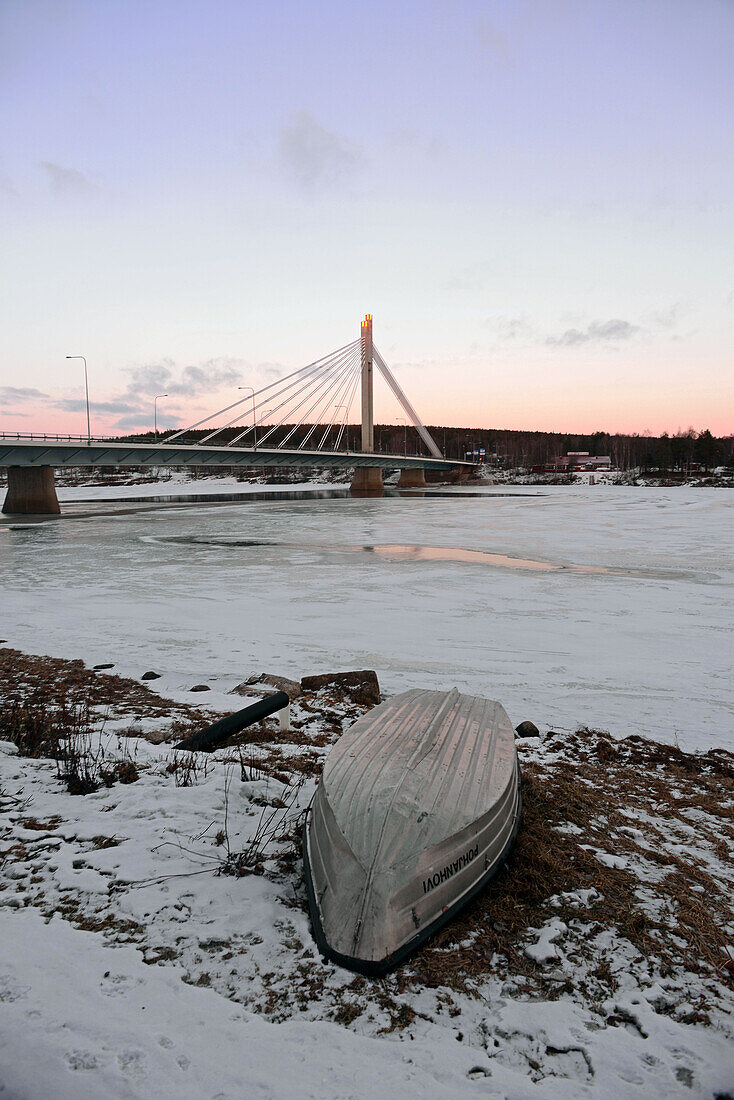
[151, 676]
[200, 687]
[527, 729]
[157, 737]
[98, 668]
[361, 687]
[266, 680]
[8, 748]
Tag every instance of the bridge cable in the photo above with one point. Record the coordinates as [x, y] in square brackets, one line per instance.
[344, 390]
[296, 390]
[324, 405]
[393, 384]
[326, 380]
[327, 383]
[347, 411]
[306, 378]
[242, 400]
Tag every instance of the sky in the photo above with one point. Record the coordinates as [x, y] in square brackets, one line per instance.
[534, 198]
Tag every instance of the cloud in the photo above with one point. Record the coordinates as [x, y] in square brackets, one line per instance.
[600, 332]
[133, 406]
[67, 181]
[192, 380]
[311, 155]
[666, 318]
[512, 328]
[143, 420]
[78, 404]
[14, 395]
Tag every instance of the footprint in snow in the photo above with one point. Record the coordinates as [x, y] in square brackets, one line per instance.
[131, 1062]
[81, 1060]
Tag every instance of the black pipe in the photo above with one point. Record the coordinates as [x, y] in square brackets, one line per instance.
[208, 739]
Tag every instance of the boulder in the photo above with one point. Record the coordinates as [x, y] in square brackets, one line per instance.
[527, 729]
[361, 687]
[158, 737]
[151, 676]
[200, 687]
[254, 685]
[98, 668]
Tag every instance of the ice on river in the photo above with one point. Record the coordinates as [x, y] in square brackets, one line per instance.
[640, 643]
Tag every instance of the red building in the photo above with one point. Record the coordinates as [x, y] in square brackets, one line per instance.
[575, 462]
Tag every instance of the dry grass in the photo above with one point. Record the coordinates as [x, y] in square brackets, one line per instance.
[53, 682]
[667, 814]
[609, 792]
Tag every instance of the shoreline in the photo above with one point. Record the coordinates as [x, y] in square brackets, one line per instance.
[613, 911]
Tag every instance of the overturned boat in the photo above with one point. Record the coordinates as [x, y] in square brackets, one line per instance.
[418, 807]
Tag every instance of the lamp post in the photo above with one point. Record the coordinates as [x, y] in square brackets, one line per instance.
[155, 411]
[86, 390]
[254, 422]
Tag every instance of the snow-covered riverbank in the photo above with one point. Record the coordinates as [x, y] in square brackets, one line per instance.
[132, 964]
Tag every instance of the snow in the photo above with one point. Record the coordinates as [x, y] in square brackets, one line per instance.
[545, 949]
[645, 647]
[219, 990]
[202, 984]
[181, 485]
[98, 1022]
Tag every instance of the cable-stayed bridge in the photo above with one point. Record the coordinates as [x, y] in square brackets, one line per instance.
[301, 419]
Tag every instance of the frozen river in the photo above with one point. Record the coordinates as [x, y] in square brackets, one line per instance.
[618, 615]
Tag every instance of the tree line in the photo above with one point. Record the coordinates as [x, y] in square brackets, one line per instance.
[664, 454]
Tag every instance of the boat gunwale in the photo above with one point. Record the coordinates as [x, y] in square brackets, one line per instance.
[377, 968]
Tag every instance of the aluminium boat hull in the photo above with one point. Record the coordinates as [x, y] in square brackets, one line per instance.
[417, 809]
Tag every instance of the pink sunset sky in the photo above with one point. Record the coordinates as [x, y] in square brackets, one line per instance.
[533, 199]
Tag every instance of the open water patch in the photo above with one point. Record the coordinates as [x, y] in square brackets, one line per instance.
[397, 553]
[391, 552]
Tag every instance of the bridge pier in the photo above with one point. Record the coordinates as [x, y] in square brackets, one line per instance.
[31, 492]
[412, 479]
[367, 482]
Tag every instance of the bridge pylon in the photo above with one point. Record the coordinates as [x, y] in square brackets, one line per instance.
[368, 416]
[31, 492]
[367, 480]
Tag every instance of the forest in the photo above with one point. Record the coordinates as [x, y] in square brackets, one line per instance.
[665, 454]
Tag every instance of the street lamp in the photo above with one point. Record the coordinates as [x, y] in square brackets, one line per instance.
[254, 422]
[86, 389]
[155, 411]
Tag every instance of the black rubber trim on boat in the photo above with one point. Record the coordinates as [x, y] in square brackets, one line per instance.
[382, 966]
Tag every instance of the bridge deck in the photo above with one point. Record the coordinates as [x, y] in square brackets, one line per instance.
[50, 451]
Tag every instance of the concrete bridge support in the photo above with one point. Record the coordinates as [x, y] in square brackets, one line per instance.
[31, 492]
[367, 482]
[412, 479]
